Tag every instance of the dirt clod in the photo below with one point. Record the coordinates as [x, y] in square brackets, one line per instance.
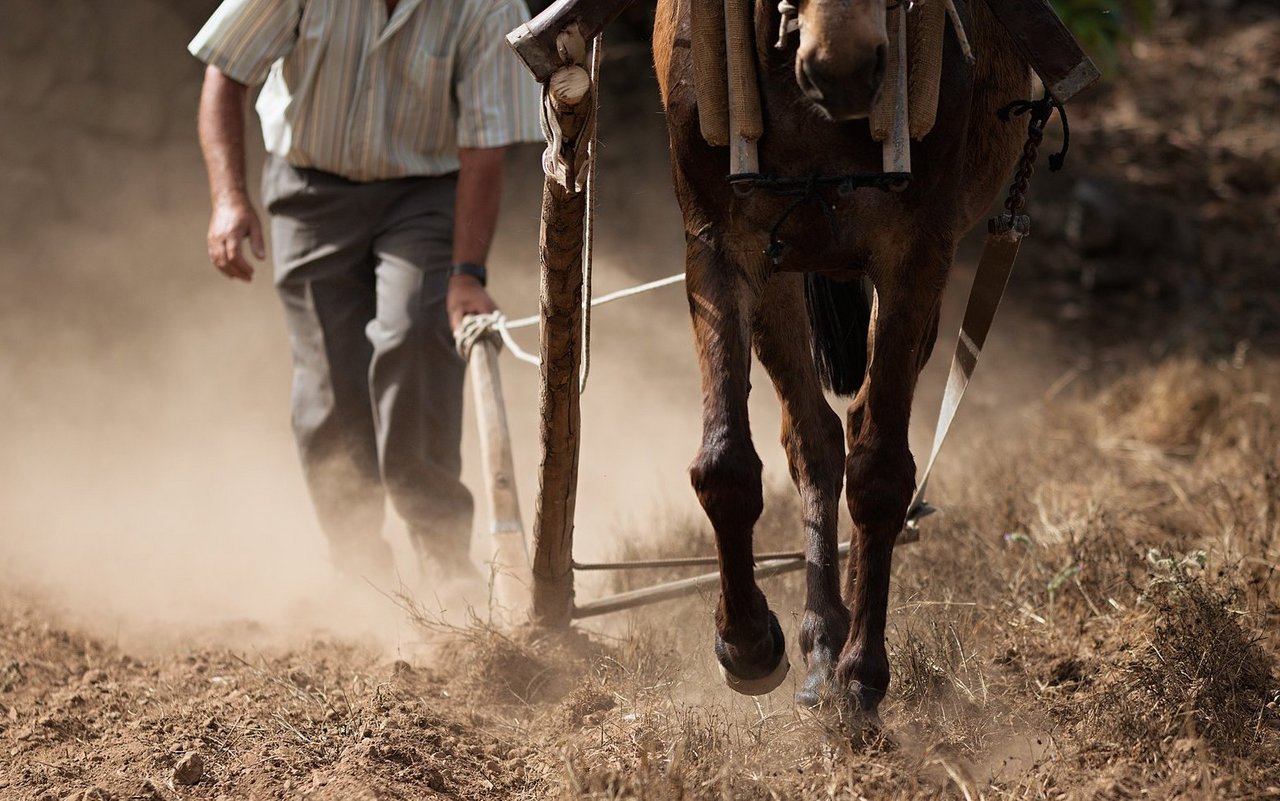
[189, 770]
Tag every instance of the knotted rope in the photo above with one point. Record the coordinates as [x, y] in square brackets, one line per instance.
[495, 328]
[1041, 112]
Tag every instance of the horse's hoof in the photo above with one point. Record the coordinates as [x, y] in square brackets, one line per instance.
[864, 702]
[817, 685]
[813, 690]
[754, 682]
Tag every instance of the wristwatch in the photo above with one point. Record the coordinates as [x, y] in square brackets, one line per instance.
[476, 271]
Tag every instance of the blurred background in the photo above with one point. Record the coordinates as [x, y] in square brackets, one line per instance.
[147, 472]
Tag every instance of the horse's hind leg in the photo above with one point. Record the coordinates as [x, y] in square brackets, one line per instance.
[726, 473]
[811, 436]
[880, 472]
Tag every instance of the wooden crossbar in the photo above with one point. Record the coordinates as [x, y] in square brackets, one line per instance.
[683, 587]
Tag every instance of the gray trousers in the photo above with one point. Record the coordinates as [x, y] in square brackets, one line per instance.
[362, 269]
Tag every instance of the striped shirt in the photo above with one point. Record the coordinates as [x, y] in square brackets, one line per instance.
[368, 96]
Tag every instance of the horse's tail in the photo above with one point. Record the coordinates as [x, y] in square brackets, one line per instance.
[839, 316]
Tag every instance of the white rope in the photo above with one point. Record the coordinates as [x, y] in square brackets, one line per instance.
[477, 326]
[621, 294]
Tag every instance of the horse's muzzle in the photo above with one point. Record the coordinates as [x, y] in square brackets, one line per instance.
[843, 93]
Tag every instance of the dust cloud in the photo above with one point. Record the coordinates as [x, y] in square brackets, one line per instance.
[149, 474]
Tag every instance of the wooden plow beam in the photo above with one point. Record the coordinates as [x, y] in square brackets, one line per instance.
[568, 106]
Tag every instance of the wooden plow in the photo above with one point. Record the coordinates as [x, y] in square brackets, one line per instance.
[561, 48]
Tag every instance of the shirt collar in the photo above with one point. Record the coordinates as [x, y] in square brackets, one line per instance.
[404, 10]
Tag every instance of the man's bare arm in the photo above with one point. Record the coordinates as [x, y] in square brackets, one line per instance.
[479, 195]
[476, 218]
[221, 122]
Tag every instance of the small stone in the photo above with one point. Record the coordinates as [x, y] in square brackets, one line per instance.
[189, 770]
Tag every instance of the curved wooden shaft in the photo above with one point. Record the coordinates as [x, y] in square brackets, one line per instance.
[563, 218]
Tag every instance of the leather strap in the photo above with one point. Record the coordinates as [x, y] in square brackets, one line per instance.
[989, 282]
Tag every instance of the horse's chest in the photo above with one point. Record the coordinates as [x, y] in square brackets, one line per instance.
[801, 231]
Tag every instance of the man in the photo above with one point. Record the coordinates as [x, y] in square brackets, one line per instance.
[385, 123]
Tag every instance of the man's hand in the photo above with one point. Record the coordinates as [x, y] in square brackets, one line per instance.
[466, 296]
[222, 107]
[233, 221]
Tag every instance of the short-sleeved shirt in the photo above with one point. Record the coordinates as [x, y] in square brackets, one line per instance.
[368, 96]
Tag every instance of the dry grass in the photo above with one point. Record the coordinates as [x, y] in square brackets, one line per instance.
[1094, 616]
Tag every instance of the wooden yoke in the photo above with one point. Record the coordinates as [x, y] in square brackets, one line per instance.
[1047, 44]
[536, 43]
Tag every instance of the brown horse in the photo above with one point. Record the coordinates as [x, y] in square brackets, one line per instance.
[802, 308]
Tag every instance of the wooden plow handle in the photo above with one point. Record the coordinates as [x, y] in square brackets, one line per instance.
[536, 44]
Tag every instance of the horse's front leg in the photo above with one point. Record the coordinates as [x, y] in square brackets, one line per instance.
[811, 435]
[727, 471]
[880, 472]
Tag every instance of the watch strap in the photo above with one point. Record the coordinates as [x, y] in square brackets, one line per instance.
[476, 271]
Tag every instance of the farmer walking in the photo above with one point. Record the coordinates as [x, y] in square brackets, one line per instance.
[385, 123]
